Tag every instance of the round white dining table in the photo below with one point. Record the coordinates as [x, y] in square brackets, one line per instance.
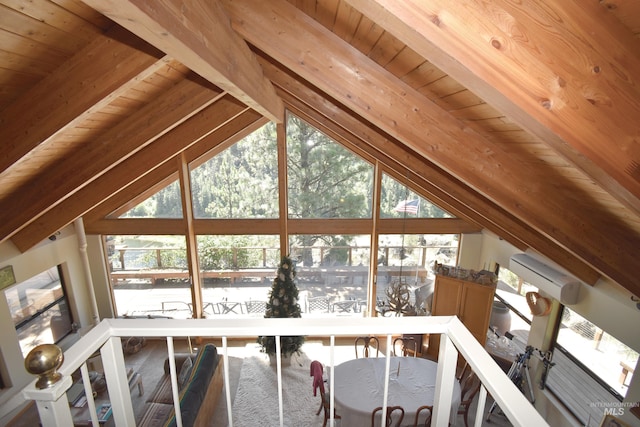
[359, 388]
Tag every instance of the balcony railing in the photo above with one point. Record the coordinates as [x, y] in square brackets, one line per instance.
[53, 407]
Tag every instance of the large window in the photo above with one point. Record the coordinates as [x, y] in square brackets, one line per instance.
[589, 359]
[409, 258]
[242, 227]
[166, 203]
[40, 310]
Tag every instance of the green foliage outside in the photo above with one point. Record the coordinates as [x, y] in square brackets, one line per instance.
[166, 203]
[236, 252]
[325, 179]
[240, 182]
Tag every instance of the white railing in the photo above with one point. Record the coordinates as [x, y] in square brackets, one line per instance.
[53, 406]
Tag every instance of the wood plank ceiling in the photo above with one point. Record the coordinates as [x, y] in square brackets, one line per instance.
[521, 118]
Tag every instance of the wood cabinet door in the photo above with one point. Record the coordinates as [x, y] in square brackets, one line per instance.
[475, 309]
[447, 297]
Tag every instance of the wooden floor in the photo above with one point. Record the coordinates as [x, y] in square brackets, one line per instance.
[149, 362]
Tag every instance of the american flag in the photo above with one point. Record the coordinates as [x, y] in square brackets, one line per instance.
[408, 206]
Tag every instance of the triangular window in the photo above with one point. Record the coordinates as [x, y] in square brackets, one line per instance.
[398, 201]
[166, 203]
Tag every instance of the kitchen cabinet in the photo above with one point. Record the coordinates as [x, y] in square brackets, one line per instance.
[471, 302]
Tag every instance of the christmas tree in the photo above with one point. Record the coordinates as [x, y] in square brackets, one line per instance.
[283, 303]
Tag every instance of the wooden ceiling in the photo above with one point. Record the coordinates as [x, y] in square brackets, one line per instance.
[522, 118]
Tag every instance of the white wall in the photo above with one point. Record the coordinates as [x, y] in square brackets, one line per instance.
[63, 251]
[606, 304]
[99, 276]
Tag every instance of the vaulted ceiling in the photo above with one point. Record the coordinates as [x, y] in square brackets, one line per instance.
[522, 118]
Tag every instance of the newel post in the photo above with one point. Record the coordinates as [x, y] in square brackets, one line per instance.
[445, 378]
[50, 389]
[52, 402]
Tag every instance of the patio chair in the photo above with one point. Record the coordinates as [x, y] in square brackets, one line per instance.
[255, 306]
[427, 420]
[345, 306]
[365, 343]
[175, 306]
[320, 304]
[407, 345]
[395, 414]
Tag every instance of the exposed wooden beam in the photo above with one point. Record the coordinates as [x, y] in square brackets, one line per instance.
[133, 169]
[190, 235]
[105, 151]
[439, 186]
[135, 226]
[570, 86]
[311, 51]
[129, 196]
[198, 34]
[37, 117]
[243, 126]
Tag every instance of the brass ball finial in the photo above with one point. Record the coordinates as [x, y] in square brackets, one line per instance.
[44, 361]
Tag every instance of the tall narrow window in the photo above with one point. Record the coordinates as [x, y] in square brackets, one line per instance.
[40, 310]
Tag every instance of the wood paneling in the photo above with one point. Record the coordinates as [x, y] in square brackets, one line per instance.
[198, 34]
[459, 115]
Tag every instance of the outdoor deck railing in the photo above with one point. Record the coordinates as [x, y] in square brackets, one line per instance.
[266, 255]
[54, 410]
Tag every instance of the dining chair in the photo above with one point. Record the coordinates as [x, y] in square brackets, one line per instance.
[316, 371]
[366, 344]
[462, 369]
[407, 344]
[395, 414]
[470, 386]
[326, 405]
[427, 420]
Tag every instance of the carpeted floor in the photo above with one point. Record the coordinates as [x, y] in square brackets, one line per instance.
[256, 399]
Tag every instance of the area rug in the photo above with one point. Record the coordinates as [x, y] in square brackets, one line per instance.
[256, 400]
